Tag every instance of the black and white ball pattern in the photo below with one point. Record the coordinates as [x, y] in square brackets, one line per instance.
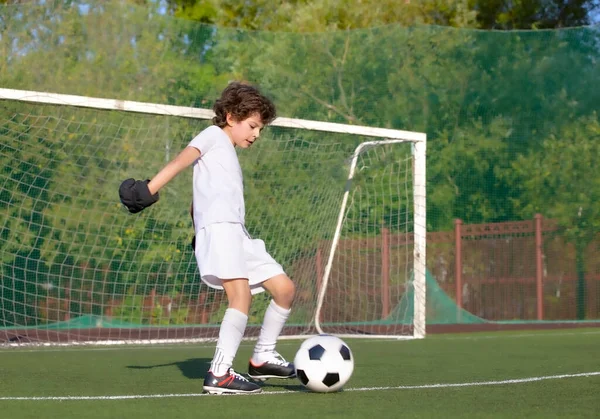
[324, 363]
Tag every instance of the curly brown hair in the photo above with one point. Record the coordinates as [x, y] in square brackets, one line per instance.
[242, 100]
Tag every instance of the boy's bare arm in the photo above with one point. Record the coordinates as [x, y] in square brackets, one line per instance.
[139, 194]
[184, 159]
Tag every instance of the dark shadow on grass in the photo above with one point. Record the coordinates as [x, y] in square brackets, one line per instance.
[196, 369]
[287, 386]
[193, 368]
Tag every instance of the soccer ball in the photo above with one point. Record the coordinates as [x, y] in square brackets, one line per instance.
[324, 363]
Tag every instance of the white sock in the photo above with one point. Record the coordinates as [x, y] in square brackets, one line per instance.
[275, 318]
[230, 336]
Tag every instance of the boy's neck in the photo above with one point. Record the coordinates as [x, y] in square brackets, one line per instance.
[227, 130]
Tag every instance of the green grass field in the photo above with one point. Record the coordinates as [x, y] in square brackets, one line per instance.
[504, 374]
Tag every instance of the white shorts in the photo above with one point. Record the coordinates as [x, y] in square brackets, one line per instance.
[226, 251]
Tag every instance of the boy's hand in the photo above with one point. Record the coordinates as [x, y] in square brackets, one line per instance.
[135, 195]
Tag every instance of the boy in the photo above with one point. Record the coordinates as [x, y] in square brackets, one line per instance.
[227, 256]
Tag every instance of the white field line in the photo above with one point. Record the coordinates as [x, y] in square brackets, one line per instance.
[271, 393]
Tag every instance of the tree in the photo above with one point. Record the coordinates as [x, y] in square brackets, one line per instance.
[311, 16]
[484, 98]
[63, 164]
[455, 85]
[561, 180]
[533, 14]
[323, 15]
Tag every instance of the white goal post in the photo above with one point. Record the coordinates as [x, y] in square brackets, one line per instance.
[365, 189]
[420, 233]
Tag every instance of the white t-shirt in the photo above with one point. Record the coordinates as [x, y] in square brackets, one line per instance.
[218, 188]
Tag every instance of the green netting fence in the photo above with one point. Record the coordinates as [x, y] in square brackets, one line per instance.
[511, 121]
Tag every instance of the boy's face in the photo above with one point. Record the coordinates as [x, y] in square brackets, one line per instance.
[243, 133]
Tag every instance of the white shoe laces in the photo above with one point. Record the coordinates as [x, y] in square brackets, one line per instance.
[236, 375]
[277, 359]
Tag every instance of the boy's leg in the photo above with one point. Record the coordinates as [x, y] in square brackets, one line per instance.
[221, 378]
[265, 361]
[231, 333]
[274, 320]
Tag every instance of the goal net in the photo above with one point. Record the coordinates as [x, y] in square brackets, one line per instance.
[341, 207]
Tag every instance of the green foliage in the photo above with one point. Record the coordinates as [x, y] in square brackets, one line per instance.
[533, 14]
[132, 310]
[561, 178]
[117, 51]
[510, 124]
[332, 15]
[260, 303]
[288, 205]
[323, 15]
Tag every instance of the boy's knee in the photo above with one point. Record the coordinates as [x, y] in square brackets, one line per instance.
[288, 293]
[282, 289]
[289, 289]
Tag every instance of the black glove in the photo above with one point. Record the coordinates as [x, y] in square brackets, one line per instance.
[135, 195]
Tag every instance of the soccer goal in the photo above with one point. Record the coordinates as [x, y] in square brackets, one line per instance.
[341, 207]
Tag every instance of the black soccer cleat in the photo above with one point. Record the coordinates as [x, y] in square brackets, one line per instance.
[275, 368]
[230, 383]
